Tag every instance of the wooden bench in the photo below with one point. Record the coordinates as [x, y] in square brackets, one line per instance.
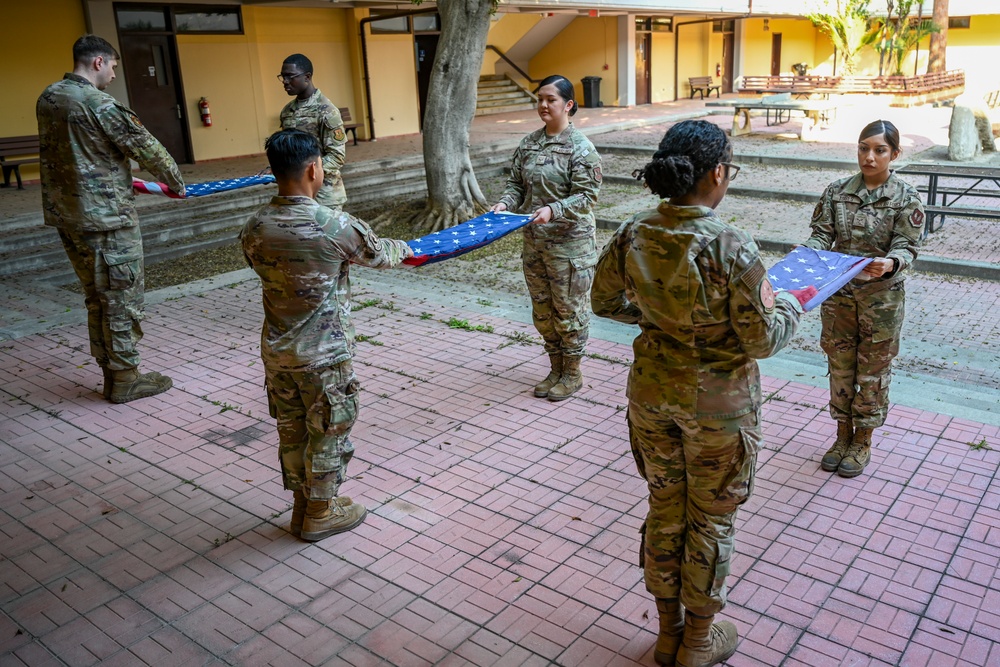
[349, 124]
[15, 151]
[703, 85]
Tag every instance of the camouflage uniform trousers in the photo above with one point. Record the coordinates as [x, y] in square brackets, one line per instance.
[559, 275]
[110, 268]
[861, 330]
[315, 412]
[699, 472]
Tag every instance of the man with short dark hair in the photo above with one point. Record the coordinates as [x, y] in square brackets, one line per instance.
[87, 140]
[302, 252]
[312, 112]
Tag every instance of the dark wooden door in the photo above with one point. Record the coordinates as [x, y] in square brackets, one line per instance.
[426, 47]
[154, 91]
[643, 46]
[728, 40]
[776, 54]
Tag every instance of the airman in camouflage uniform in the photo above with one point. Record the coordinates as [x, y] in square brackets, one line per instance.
[87, 138]
[699, 293]
[312, 112]
[564, 173]
[302, 252]
[862, 322]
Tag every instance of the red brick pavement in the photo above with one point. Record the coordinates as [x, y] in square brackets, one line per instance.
[503, 528]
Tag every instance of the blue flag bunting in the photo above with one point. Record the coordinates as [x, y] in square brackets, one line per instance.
[826, 271]
[463, 238]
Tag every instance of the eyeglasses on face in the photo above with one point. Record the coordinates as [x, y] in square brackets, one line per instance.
[288, 78]
[731, 170]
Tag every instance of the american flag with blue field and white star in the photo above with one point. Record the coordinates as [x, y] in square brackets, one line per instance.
[826, 271]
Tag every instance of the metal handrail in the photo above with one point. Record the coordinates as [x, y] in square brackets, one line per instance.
[511, 63]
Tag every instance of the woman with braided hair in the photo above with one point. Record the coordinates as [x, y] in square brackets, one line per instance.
[698, 291]
[871, 214]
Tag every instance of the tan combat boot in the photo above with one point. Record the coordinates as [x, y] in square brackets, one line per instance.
[298, 512]
[329, 517]
[845, 435]
[543, 387]
[130, 384]
[671, 631]
[706, 643]
[858, 455]
[109, 382]
[569, 382]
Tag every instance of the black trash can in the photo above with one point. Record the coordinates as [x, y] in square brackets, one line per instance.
[591, 92]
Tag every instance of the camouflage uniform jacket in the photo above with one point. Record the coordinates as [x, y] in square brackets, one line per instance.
[563, 172]
[700, 294]
[87, 138]
[887, 222]
[302, 252]
[321, 118]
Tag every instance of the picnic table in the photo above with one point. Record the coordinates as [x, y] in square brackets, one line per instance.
[949, 183]
[778, 109]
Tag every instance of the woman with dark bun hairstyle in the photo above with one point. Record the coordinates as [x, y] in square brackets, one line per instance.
[871, 214]
[555, 176]
[706, 310]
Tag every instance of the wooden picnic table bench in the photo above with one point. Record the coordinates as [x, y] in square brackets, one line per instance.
[349, 124]
[702, 85]
[778, 109]
[951, 194]
[14, 152]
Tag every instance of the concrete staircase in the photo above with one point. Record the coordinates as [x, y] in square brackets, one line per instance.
[172, 228]
[498, 94]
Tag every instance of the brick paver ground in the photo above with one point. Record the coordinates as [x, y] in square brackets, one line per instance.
[502, 531]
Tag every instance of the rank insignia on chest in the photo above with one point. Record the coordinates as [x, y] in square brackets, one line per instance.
[917, 217]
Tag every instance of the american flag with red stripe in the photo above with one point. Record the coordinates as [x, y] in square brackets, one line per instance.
[199, 189]
[826, 271]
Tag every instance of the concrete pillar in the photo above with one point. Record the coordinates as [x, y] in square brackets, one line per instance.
[626, 60]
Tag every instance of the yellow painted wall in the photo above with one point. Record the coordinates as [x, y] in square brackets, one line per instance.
[694, 53]
[33, 59]
[977, 51]
[395, 101]
[661, 67]
[505, 33]
[582, 49]
[233, 97]
[798, 45]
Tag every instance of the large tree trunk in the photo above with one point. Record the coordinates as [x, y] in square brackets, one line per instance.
[453, 191]
[939, 40]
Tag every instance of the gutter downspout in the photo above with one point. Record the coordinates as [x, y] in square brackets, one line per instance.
[364, 59]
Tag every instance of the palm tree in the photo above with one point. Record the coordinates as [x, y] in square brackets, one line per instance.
[848, 29]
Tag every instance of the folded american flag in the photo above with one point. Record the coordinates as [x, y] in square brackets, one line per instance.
[826, 271]
[463, 238]
[199, 189]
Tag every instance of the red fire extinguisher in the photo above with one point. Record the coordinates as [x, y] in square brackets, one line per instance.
[206, 113]
[718, 72]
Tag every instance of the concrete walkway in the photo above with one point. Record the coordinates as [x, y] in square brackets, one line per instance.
[503, 528]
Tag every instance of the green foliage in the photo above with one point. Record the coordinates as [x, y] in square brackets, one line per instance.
[895, 36]
[456, 323]
[846, 24]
